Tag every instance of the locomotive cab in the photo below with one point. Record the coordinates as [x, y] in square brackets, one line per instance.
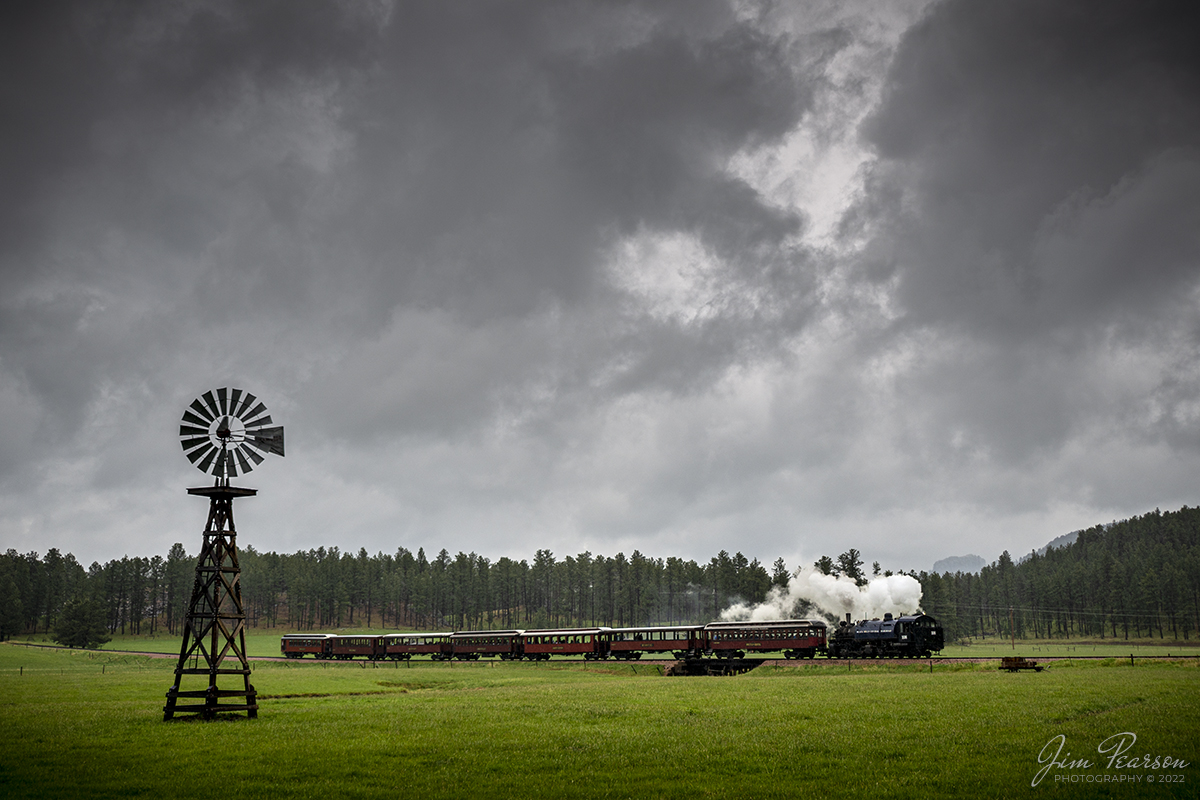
[922, 634]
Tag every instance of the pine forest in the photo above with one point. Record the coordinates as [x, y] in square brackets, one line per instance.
[1136, 578]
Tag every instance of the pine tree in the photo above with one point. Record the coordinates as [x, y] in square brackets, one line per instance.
[11, 609]
[81, 624]
[850, 565]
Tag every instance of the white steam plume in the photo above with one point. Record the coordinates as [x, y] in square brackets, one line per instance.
[834, 596]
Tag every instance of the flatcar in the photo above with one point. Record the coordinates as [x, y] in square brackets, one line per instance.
[403, 646]
[297, 645]
[682, 641]
[912, 636]
[797, 638]
[539, 645]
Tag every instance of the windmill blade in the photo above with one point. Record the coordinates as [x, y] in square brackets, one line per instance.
[193, 419]
[188, 430]
[207, 461]
[247, 450]
[212, 403]
[269, 440]
[235, 395]
[254, 412]
[201, 410]
[188, 444]
[222, 398]
[258, 423]
[240, 413]
[230, 464]
[242, 460]
[195, 455]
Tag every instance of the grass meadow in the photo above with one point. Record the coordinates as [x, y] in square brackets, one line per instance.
[88, 724]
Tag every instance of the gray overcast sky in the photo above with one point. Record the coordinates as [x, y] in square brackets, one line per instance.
[920, 279]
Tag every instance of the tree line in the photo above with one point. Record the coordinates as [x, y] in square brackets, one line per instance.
[1139, 577]
[1136, 578]
[326, 588]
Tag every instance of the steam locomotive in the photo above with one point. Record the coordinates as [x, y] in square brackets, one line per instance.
[914, 636]
[910, 636]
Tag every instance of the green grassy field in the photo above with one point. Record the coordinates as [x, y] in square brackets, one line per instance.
[1033, 648]
[88, 724]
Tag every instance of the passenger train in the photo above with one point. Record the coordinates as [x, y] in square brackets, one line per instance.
[912, 636]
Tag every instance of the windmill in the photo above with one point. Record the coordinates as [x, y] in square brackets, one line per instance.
[224, 434]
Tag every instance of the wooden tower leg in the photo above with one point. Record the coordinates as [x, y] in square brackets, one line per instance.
[214, 632]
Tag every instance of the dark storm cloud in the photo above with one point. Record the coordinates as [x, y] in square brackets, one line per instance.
[73, 72]
[568, 270]
[1039, 162]
[110, 205]
[270, 188]
[1035, 206]
[495, 163]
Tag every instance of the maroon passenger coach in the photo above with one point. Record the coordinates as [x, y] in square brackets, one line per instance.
[539, 645]
[403, 646]
[683, 641]
[347, 647]
[797, 638]
[296, 645]
[470, 645]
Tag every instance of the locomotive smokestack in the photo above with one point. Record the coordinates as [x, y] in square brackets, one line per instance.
[847, 617]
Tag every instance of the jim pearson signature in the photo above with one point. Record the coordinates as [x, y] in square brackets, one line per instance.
[1114, 748]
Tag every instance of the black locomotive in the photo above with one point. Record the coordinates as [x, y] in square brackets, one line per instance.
[915, 636]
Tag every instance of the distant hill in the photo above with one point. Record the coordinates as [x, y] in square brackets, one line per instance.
[967, 563]
[1061, 541]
